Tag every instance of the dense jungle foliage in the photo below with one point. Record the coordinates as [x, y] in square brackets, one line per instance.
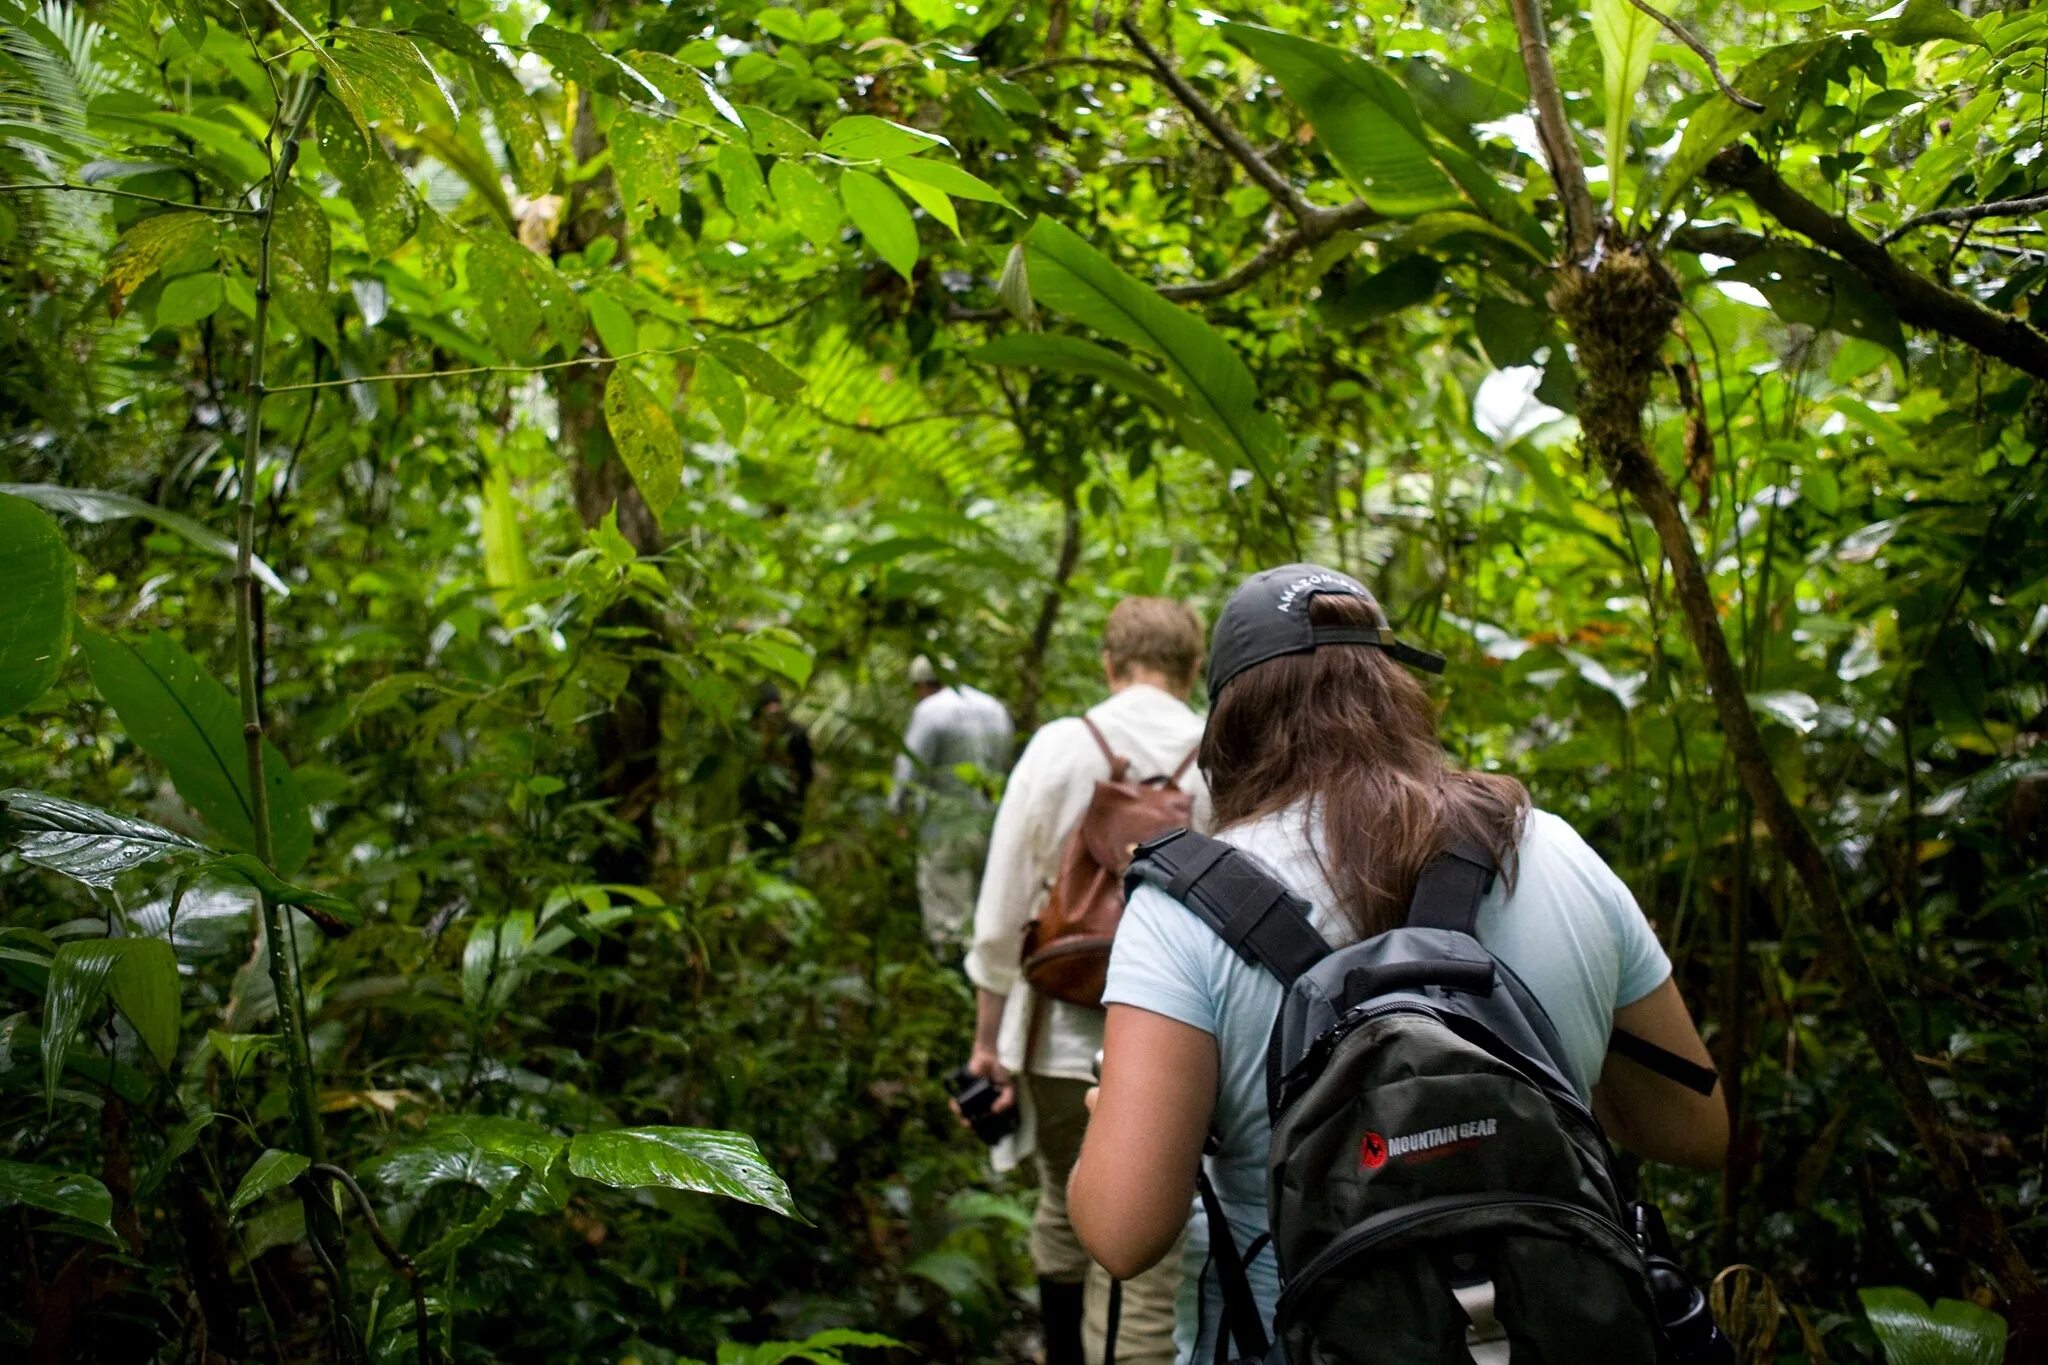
[428, 422]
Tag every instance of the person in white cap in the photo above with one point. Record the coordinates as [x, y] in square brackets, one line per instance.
[954, 730]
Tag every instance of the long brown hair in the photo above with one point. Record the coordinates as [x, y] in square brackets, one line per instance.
[1351, 735]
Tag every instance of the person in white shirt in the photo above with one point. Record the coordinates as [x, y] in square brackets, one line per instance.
[1151, 650]
[953, 731]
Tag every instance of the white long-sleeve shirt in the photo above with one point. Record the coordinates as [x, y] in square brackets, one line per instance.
[1046, 795]
[952, 726]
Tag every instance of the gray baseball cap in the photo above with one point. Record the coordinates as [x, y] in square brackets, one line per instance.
[1267, 617]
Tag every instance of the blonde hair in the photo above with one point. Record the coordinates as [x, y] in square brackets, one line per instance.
[1156, 633]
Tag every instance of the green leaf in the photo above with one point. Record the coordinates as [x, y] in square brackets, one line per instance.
[700, 1160]
[517, 117]
[684, 86]
[506, 565]
[491, 967]
[189, 299]
[647, 156]
[388, 74]
[1627, 37]
[239, 1049]
[68, 1194]
[1073, 355]
[820, 1348]
[944, 175]
[300, 255]
[490, 1153]
[1221, 400]
[1352, 300]
[1952, 1332]
[822, 26]
[883, 222]
[648, 444]
[382, 196]
[739, 176]
[721, 393]
[932, 201]
[35, 610]
[770, 133]
[1922, 21]
[762, 371]
[777, 22]
[334, 914]
[84, 842]
[863, 137]
[149, 245]
[1814, 289]
[1013, 286]
[1770, 80]
[272, 1170]
[806, 203]
[613, 322]
[141, 974]
[97, 507]
[576, 57]
[1366, 120]
[190, 723]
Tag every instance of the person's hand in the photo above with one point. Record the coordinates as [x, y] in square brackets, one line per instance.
[982, 1062]
[1089, 1098]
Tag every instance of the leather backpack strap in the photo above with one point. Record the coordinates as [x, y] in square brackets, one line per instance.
[1118, 764]
[1173, 779]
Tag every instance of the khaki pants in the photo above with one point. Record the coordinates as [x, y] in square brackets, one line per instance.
[1145, 1336]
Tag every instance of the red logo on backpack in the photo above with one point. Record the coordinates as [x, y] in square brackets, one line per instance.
[1372, 1153]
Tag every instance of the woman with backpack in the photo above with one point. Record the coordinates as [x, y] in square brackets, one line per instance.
[1455, 1168]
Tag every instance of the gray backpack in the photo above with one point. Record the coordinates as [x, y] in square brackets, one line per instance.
[1439, 1194]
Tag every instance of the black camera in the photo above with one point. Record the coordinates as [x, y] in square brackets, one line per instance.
[976, 1096]
[1684, 1321]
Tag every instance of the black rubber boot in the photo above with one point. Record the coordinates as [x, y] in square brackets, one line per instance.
[1059, 1309]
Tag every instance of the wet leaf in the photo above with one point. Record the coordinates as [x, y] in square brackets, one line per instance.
[68, 1194]
[272, 1170]
[98, 506]
[84, 842]
[700, 1160]
[141, 976]
[35, 609]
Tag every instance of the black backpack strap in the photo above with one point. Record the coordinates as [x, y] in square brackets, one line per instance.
[1252, 912]
[1241, 1320]
[1664, 1062]
[1448, 892]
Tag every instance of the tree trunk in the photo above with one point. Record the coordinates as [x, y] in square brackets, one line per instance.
[1032, 690]
[626, 739]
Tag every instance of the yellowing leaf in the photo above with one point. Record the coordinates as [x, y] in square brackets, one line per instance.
[150, 244]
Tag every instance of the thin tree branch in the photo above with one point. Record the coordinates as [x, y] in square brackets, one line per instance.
[1320, 226]
[400, 1263]
[1232, 141]
[765, 324]
[1969, 213]
[70, 188]
[1123, 64]
[1917, 300]
[1684, 35]
[881, 428]
[405, 376]
[1554, 128]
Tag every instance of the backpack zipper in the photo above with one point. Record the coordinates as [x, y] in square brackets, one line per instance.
[1382, 1227]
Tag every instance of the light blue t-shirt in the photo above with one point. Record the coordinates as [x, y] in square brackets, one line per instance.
[1571, 931]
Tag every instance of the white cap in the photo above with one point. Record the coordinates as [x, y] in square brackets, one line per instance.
[922, 674]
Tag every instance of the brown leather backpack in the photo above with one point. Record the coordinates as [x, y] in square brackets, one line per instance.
[1066, 949]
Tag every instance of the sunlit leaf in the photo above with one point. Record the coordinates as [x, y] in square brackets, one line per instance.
[648, 444]
[863, 137]
[884, 223]
[762, 371]
[98, 506]
[722, 393]
[1627, 37]
[803, 199]
[147, 246]
[700, 1160]
[1952, 1332]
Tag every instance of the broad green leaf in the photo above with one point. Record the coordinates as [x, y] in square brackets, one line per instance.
[883, 222]
[68, 1194]
[272, 1170]
[576, 57]
[932, 201]
[944, 175]
[189, 299]
[700, 1160]
[1013, 286]
[84, 842]
[526, 304]
[35, 609]
[762, 371]
[1814, 289]
[647, 157]
[739, 177]
[1073, 355]
[239, 1049]
[1221, 400]
[686, 87]
[506, 566]
[722, 393]
[98, 506]
[648, 444]
[803, 199]
[1913, 22]
[1366, 120]
[191, 724]
[334, 914]
[613, 322]
[491, 966]
[778, 22]
[771, 134]
[822, 26]
[140, 974]
[152, 243]
[300, 254]
[382, 196]
[1770, 80]
[1627, 37]
[1952, 1332]
[490, 1153]
[388, 74]
[180, 1140]
[820, 1348]
[1352, 299]
[863, 137]
[517, 117]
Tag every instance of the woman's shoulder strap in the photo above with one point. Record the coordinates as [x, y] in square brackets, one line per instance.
[1252, 911]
